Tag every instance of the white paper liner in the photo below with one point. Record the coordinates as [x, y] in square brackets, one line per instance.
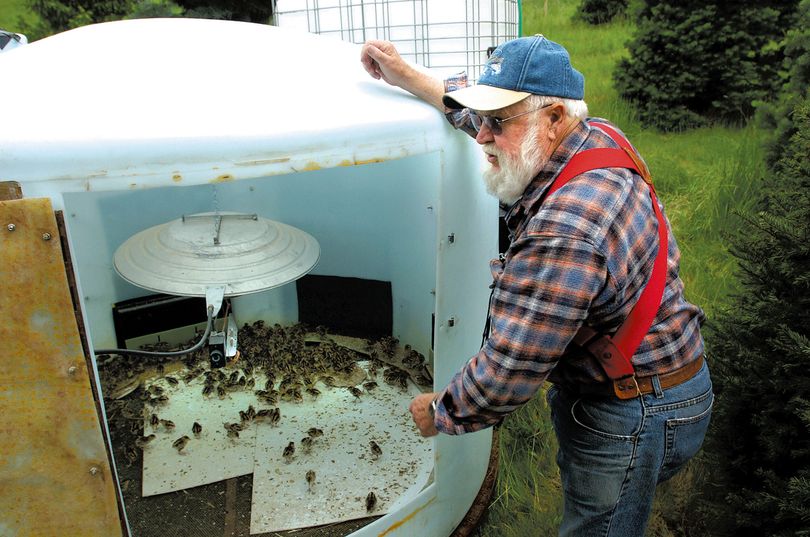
[345, 468]
[210, 458]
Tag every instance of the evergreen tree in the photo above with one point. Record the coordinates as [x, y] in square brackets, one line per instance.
[601, 11]
[238, 10]
[150, 9]
[777, 117]
[759, 444]
[61, 15]
[692, 60]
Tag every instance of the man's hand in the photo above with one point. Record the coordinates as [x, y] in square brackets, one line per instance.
[420, 412]
[381, 60]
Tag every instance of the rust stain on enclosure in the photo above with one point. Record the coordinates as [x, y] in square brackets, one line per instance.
[262, 162]
[369, 161]
[54, 474]
[399, 523]
[223, 178]
[360, 162]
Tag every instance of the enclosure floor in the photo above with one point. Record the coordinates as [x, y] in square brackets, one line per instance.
[201, 511]
[223, 507]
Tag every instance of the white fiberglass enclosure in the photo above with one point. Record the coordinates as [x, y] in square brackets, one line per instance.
[127, 125]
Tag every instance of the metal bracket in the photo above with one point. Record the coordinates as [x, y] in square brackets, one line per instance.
[230, 336]
[213, 299]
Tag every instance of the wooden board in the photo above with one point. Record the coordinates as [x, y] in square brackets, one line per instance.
[55, 477]
[10, 190]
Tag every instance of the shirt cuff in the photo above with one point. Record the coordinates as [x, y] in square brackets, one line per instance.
[444, 422]
[459, 119]
[456, 82]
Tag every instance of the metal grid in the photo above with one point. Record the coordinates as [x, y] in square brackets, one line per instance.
[449, 35]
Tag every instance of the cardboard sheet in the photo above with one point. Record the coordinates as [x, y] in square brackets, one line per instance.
[211, 457]
[345, 467]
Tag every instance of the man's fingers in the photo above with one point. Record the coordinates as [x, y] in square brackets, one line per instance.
[369, 57]
[421, 416]
[380, 46]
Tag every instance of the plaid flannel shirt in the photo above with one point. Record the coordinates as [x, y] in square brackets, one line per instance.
[583, 256]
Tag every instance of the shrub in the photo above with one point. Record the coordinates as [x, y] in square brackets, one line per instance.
[601, 11]
[693, 61]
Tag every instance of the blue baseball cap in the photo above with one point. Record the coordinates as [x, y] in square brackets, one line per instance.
[517, 69]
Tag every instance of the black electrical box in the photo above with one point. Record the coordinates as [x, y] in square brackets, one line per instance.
[151, 314]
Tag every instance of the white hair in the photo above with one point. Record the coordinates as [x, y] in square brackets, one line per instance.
[576, 108]
[515, 172]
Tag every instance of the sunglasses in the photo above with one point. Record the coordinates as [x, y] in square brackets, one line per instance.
[495, 124]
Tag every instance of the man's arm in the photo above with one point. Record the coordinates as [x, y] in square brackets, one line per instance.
[541, 299]
[382, 61]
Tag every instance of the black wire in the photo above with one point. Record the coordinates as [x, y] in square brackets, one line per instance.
[183, 352]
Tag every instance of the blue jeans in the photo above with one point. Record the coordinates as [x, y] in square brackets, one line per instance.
[614, 452]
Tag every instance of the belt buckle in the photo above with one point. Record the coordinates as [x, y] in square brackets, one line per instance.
[626, 387]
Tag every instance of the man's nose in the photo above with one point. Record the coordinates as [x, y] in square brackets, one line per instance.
[484, 135]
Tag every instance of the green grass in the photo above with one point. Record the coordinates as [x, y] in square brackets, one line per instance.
[527, 500]
[702, 176]
[13, 13]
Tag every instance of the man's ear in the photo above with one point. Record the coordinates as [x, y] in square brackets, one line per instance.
[556, 120]
[556, 114]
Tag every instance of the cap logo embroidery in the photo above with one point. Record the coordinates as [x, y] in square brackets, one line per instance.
[494, 65]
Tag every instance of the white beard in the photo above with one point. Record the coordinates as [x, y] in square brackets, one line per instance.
[514, 174]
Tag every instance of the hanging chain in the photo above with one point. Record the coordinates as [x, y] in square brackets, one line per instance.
[216, 200]
[217, 217]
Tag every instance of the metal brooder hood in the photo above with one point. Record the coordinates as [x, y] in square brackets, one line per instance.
[243, 253]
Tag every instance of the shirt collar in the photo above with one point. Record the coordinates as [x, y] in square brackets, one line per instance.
[542, 181]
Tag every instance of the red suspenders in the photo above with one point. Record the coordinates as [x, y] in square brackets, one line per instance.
[614, 353]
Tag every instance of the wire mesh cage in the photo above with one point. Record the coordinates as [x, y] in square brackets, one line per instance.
[448, 35]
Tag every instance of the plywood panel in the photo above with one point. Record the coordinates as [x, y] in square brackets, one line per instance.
[54, 473]
[10, 190]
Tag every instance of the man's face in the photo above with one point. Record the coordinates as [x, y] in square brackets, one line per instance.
[515, 155]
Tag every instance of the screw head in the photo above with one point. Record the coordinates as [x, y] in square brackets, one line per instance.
[94, 470]
[72, 370]
[11, 227]
[46, 236]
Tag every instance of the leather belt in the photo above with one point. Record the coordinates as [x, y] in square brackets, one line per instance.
[626, 388]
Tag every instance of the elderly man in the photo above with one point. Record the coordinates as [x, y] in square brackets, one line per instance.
[587, 295]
